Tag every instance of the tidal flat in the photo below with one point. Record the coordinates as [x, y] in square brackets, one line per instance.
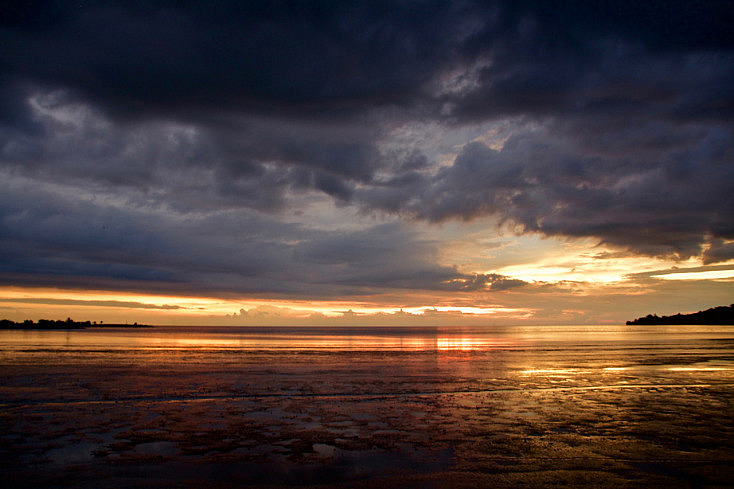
[555, 406]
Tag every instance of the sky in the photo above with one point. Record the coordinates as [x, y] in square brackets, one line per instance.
[371, 163]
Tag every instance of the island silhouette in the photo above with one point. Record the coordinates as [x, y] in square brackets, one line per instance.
[64, 324]
[715, 315]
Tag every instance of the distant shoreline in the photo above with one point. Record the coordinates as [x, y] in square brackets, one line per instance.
[49, 324]
[715, 316]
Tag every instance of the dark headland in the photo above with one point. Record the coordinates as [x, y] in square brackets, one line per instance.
[67, 324]
[715, 315]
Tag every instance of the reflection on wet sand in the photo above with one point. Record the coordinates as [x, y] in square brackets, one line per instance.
[436, 407]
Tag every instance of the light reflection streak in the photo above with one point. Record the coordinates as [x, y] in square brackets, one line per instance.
[554, 371]
[171, 338]
[699, 369]
[423, 343]
[462, 344]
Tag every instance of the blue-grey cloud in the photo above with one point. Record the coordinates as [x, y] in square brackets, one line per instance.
[53, 238]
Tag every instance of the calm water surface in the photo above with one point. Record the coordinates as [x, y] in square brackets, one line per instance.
[366, 339]
[612, 406]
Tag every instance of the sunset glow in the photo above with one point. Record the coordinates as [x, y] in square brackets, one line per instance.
[364, 171]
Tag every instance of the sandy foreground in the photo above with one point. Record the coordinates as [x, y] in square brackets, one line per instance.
[208, 417]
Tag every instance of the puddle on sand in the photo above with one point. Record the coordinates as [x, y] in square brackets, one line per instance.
[324, 450]
[162, 448]
[73, 453]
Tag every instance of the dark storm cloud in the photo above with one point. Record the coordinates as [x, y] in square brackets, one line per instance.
[138, 58]
[139, 140]
[718, 251]
[492, 281]
[661, 200]
[143, 57]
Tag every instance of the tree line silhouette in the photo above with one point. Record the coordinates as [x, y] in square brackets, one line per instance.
[715, 315]
[61, 324]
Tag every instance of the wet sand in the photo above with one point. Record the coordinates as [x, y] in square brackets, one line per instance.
[437, 408]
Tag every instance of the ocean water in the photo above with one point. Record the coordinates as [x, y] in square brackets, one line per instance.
[605, 406]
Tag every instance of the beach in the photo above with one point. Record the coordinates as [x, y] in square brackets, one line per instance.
[543, 406]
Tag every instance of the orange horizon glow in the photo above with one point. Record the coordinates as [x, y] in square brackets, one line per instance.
[575, 302]
[48, 301]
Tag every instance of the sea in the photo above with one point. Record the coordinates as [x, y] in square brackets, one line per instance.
[455, 407]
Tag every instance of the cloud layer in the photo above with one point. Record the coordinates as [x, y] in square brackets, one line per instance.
[172, 146]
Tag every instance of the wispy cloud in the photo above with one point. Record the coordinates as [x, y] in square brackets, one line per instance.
[707, 275]
[92, 303]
